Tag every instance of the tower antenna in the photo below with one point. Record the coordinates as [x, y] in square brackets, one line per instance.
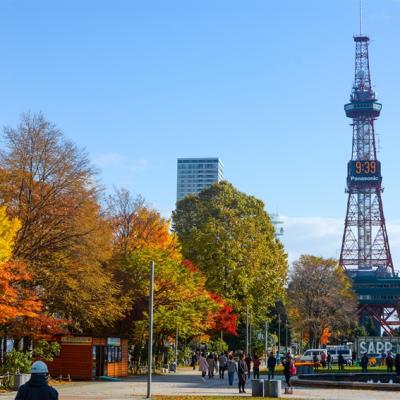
[360, 17]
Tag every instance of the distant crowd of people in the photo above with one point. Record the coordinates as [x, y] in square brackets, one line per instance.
[390, 362]
[211, 364]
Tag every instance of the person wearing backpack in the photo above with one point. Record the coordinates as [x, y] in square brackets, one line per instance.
[222, 365]
[37, 387]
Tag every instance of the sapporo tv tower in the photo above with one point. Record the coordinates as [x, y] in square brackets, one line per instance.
[365, 252]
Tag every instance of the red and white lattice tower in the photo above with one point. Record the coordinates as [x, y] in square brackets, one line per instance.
[365, 252]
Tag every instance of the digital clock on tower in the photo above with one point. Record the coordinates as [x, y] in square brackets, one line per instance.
[364, 172]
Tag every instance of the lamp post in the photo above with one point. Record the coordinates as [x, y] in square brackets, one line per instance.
[176, 348]
[286, 335]
[279, 336]
[150, 346]
[247, 329]
[266, 342]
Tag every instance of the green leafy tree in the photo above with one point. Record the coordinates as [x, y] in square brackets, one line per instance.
[230, 237]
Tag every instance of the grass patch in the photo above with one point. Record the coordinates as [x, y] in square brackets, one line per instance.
[349, 370]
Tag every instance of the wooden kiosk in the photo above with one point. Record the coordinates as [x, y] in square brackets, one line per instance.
[87, 357]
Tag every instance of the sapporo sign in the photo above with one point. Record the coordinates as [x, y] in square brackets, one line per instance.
[374, 345]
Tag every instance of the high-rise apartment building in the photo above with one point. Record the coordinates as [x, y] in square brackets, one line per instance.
[195, 174]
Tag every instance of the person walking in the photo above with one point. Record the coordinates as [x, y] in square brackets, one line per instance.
[341, 362]
[329, 360]
[271, 363]
[256, 367]
[211, 366]
[242, 372]
[248, 363]
[232, 368]
[389, 362]
[193, 360]
[37, 387]
[287, 370]
[364, 363]
[323, 359]
[397, 364]
[203, 366]
[222, 365]
[215, 362]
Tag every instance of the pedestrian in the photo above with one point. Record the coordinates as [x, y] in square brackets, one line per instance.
[193, 360]
[256, 367]
[248, 363]
[203, 366]
[364, 363]
[323, 359]
[271, 363]
[389, 362]
[329, 360]
[37, 387]
[232, 368]
[242, 372]
[287, 369]
[397, 364]
[341, 362]
[222, 365]
[215, 362]
[211, 366]
[316, 362]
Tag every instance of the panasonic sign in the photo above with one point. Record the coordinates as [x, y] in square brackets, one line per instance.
[377, 345]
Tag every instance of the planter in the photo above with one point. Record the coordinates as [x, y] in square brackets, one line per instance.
[257, 387]
[20, 379]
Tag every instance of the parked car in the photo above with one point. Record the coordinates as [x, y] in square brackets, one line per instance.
[310, 353]
[346, 353]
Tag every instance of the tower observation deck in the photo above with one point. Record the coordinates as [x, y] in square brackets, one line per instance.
[365, 252]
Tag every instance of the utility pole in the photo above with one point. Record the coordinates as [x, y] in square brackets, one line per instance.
[150, 345]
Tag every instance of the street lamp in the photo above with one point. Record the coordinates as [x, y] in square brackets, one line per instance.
[266, 342]
[279, 336]
[150, 346]
[286, 334]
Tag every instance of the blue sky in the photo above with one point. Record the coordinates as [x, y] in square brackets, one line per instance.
[260, 84]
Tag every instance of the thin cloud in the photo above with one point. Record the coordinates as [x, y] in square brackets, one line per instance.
[119, 161]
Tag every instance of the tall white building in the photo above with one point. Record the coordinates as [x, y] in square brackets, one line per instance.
[195, 174]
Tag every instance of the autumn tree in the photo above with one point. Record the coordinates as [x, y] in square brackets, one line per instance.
[181, 301]
[16, 300]
[49, 184]
[230, 237]
[135, 225]
[320, 301]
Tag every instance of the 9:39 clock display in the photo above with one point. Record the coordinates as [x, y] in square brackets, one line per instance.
[364, 172]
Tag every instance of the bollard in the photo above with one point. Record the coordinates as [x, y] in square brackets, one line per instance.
[272, 388]
[257, 387]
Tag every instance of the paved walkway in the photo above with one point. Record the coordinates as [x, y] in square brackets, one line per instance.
[188, 383]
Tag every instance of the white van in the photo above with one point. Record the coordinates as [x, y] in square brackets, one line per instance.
[346, 353]
[310, 353]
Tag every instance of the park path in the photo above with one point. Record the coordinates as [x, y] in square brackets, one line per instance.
[188, 383]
